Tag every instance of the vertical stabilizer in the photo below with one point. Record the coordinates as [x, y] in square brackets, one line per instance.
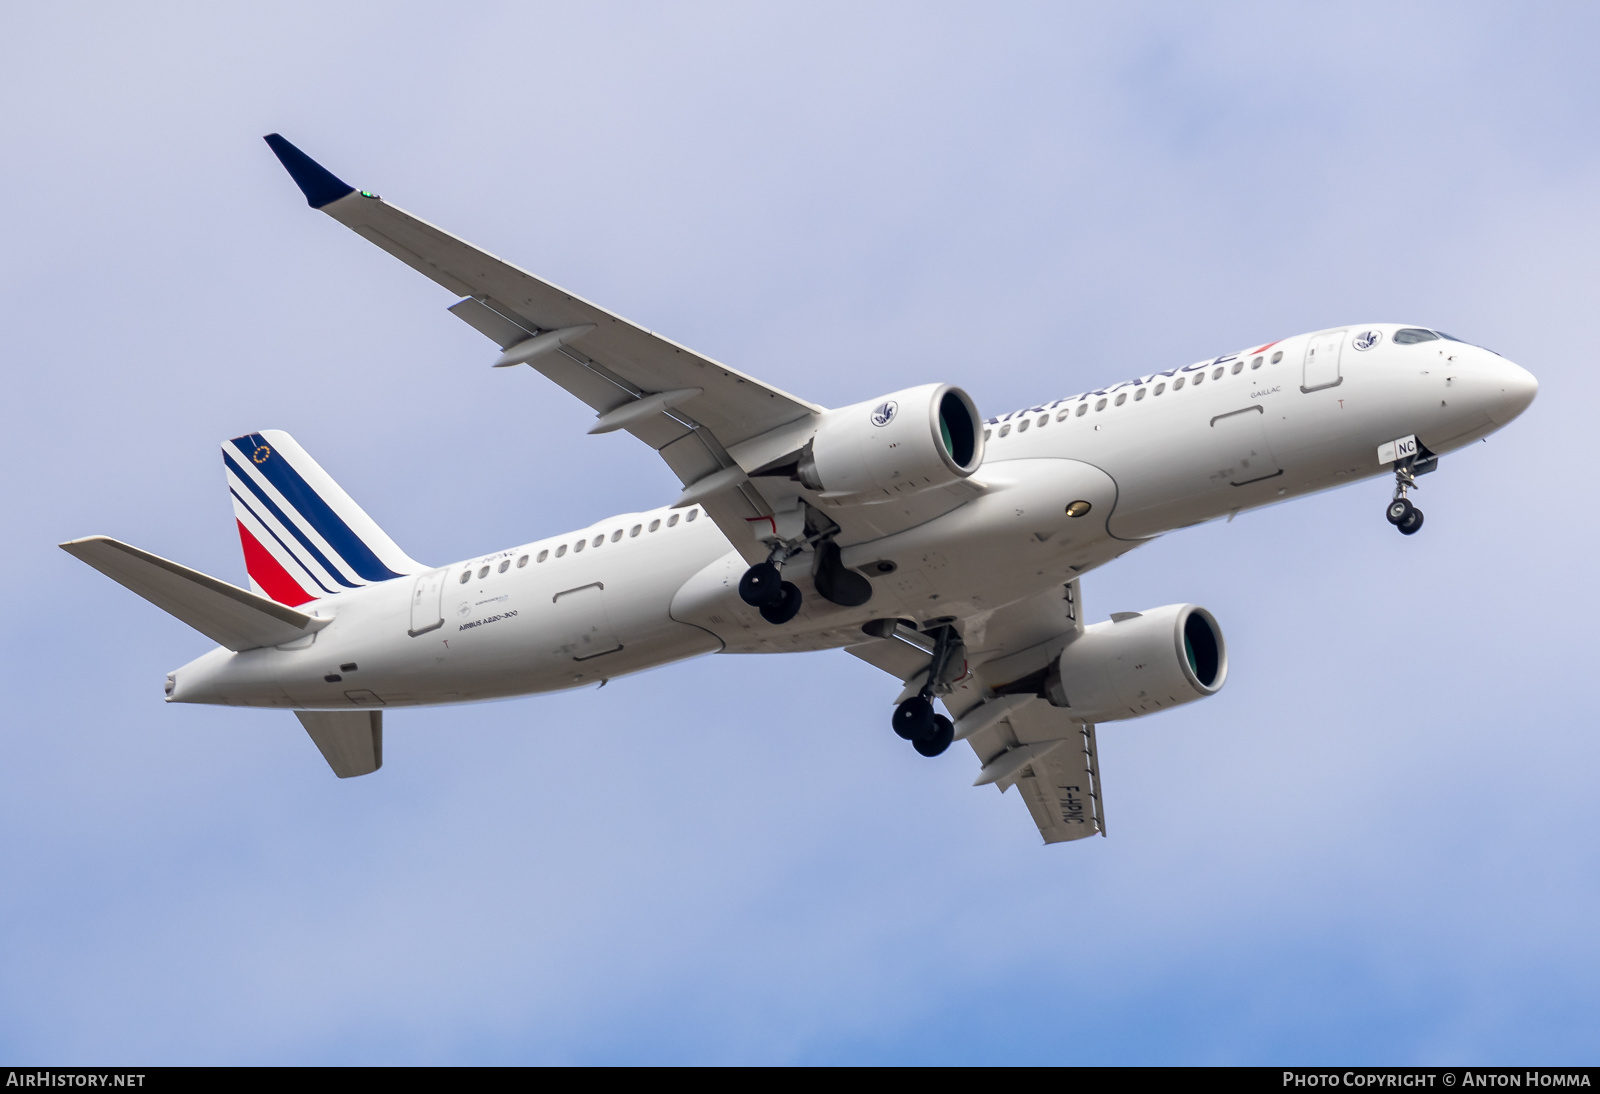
[303, 537]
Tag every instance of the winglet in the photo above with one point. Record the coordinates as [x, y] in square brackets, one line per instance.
[320, 186]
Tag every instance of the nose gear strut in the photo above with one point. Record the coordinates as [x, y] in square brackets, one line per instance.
[1400, 512]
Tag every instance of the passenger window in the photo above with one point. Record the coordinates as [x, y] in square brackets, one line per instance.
[504, 566]
[1237, 365]
[1043, 418]
[1082, 407]
[598, 540]
[986, 434]
[561, 550]
[1122, 398]
[521, 562]
[1005, 430]
[544, 554]
[1410, 336]
[466, 575]
[1217, 374]
[1199, 378]
[1160, 388]
[1100, 405]
[1061, 415]
[483, 573]
[1137, 395]
[1022, 426]
[580, 545]
[1276, 357]
[692, 514]
[635, 530]
[615, 536]
[654, 525]
[672, 520]
[1177, 385]
[1256, 363]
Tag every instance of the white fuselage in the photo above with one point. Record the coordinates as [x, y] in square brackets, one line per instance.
[1149, 456]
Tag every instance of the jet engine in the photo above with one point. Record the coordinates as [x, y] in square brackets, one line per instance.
[1138, 663]
[902, 443]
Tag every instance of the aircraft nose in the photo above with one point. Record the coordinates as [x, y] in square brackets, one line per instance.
[1517, 387]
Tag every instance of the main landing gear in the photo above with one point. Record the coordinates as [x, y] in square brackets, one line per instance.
[914, 719]
[762, 587]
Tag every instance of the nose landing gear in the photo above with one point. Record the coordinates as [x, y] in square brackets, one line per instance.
[1400, 512]
[1404, 516]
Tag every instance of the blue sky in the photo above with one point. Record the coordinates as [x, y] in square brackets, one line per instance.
[1377, 844]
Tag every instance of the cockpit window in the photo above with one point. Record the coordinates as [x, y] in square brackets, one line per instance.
[1410, 336]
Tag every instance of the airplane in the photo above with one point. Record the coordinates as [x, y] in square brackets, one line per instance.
[941, 547]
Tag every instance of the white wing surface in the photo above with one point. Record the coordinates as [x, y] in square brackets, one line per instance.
[714, 426]
[689, 408]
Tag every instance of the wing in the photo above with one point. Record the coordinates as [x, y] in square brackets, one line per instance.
[1051, 759]
[689, 408]
[1020, 740]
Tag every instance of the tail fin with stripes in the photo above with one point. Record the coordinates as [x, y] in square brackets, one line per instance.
[304, 538]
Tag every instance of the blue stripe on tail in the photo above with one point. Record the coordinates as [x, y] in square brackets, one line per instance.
[294, 529]
[276, 538]
[317, 513]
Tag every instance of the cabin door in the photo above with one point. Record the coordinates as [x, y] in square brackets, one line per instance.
[1322, 361]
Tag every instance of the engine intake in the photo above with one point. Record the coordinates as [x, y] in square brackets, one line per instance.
[902, 443]
[1139, 663]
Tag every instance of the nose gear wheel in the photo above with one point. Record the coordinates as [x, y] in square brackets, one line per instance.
[1400, 512]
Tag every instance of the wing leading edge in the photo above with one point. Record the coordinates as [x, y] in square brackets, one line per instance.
[618, 368]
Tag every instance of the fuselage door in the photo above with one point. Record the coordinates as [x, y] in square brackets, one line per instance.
[1322, 361]
[426, 612]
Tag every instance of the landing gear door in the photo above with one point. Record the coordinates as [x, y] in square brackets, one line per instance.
[426, 611]
[1322, 361]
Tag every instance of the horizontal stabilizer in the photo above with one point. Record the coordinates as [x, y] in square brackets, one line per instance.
[350, 740]
[226, 614]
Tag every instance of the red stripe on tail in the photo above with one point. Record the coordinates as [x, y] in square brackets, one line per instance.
[265, 571]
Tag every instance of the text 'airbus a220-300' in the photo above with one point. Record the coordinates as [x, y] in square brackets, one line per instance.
[942, 547]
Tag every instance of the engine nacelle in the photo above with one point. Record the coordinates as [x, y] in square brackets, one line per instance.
[903, 443]
[1139, 663]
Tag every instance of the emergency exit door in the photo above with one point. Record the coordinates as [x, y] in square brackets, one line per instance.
[1322, 361]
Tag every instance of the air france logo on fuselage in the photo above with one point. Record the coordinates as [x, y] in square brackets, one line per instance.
[884, 413]
[1367, 339]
